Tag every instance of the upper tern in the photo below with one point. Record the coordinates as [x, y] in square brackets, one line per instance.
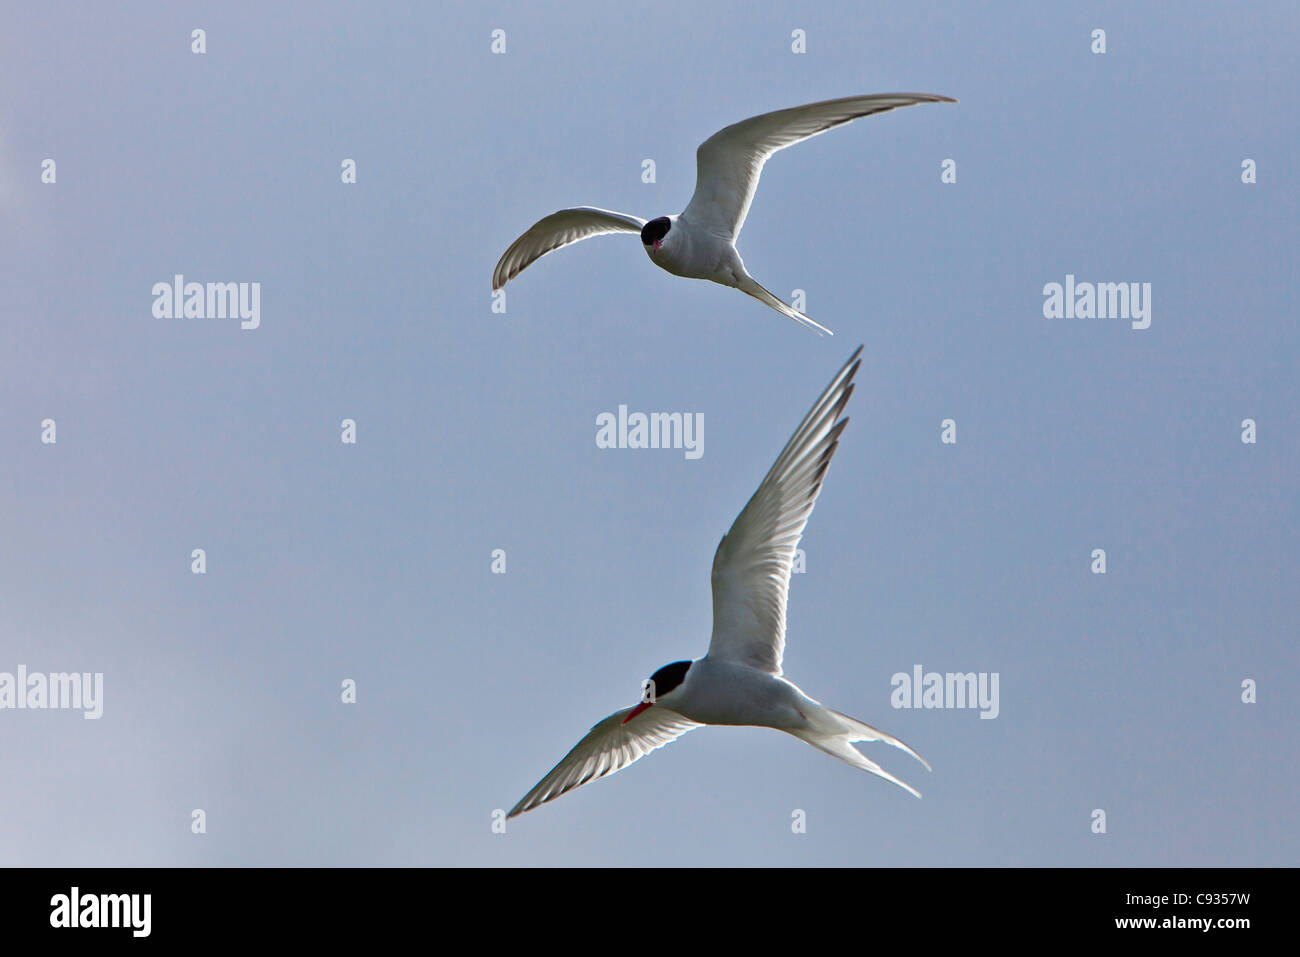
[700, 241]
[738, 682]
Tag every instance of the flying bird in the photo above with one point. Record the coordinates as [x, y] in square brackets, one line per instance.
[739, 682]
[700, 241]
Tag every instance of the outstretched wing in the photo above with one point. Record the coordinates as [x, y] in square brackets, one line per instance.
[556, 230]
[608, 747]
[729, 162]
[751, 569]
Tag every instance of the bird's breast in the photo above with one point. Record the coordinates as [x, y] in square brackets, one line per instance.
[718, 692]
[693, 254]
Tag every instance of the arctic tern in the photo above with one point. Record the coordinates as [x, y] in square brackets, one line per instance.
[700, 241]
[738, 682]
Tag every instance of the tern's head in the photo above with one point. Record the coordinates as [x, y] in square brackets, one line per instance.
[653, 233]
[659, 684]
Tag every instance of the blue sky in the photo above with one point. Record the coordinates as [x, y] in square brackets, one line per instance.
[476, 431]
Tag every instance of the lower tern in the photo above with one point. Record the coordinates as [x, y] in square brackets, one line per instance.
[700, 241]
[739, 682]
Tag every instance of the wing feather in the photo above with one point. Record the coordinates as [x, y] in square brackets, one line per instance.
[751, 568]
[729, 162]
[608, 747]
[559, 229]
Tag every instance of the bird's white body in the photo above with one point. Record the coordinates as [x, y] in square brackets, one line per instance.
[718, 691]
[695, 253]
[700, 242]
[739, 682]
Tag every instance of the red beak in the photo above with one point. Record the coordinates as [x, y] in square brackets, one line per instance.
[644, 704]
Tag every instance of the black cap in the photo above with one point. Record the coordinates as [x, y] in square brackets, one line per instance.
[655, 230]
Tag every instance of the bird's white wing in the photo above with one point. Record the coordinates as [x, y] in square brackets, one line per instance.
[556, 230]
[751, 569]
[608, 747]
[729, 162]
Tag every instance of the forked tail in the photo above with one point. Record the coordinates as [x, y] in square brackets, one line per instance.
[838, 741]
[750, 286]
[860, 731]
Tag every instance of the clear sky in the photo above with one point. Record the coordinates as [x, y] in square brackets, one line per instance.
[325, 561]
